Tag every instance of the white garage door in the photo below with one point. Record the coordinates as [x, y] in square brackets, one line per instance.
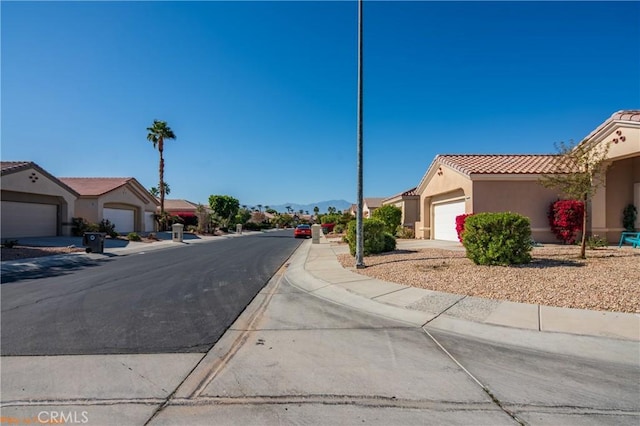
[149, 222]
[29, 220]
[444, 220]
[121, 218]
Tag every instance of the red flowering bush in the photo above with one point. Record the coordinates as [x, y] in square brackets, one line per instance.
[460, 224]
[565, 219]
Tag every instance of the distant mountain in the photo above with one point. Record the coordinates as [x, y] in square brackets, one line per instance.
[340, 205]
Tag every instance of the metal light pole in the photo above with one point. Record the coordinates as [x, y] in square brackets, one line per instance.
[359, 227]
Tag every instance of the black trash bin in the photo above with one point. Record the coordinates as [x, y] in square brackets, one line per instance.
[93, 241]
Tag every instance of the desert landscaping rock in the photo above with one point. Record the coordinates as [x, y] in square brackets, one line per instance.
[608, 280]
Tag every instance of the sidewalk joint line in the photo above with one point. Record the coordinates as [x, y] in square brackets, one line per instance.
[482, 386]
[445, 310]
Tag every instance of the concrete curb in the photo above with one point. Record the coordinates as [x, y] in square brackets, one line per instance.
[315, 269]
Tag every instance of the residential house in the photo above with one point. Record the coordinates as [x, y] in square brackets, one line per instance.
[122, 201]
[458, 184]
[34, 203]
[409, 202]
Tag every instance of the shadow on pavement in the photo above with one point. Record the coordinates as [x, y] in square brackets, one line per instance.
[21, 272]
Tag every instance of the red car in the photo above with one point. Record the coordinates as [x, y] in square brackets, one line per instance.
[302, 231]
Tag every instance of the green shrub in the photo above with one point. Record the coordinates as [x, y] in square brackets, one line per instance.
[390, 215]
[389, 242]
[133, 236]
[629, 216]
[498, 239]
[596, 241]
[338, 229]
[405, 232]
[374, 239]
[108, 228]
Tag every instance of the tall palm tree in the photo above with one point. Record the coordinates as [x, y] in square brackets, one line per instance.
[158, 132]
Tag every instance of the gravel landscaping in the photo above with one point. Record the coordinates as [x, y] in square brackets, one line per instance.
[608, 280]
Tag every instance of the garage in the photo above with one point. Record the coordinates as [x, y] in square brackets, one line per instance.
[29, 220]
[122, 219]
[444, 219]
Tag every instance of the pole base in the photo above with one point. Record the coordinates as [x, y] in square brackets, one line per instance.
[360, 266]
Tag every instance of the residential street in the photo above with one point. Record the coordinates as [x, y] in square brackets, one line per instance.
[329, 356]
[179, 300]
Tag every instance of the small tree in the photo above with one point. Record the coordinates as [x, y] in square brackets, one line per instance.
[579, 171]
[225, 207]
[390, 215]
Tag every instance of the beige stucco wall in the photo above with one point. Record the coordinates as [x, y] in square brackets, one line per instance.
[627, 148]
[526, 197]
[23, 187]
[618, 192]
[622, 177]
[449, 184]
[91, 208]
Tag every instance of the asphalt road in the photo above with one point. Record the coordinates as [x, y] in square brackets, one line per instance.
[174, 300]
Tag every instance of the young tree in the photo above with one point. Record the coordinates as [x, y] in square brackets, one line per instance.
[580, 171]
[225, 206]
[158, 132]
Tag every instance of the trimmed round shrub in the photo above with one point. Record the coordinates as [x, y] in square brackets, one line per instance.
[133, 236]
[389, 242]
[373, 230]
[498, 239]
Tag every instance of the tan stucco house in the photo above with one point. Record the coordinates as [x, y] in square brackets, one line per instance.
[33, 202]
[122, 201]
[409, 202]
[458, 184]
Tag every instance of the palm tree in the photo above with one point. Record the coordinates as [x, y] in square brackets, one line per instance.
[154, 190]
[259, 206]
[316, 210]
[158, 132]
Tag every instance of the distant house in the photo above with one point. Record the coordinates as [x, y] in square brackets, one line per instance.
[369, 205]
[457, 184]
[409, 202]
[122, 201]
[33, 202]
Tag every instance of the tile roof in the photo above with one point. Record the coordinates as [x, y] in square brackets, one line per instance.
[408, 193]
[8, 167]
[95, 186]
[627, 115]
[500, 164]
[14, 166]
[175, 204]
[373, 202]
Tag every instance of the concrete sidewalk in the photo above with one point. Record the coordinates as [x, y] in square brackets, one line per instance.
[294, 359]
[326, 278]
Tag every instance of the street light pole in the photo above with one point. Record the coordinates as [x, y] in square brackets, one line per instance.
[359, 228]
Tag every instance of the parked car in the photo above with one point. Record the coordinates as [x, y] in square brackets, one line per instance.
[302, 231]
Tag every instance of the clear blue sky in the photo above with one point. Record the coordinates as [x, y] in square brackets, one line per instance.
[262, 95]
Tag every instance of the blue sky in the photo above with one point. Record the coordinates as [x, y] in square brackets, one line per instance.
[262, 95]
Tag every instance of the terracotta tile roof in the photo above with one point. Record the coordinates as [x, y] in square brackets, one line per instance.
[95, 186]
[8, 167]
[408, 193]
[174, 204]
[499, 164]
[14, 166]
[623, 115]
[373, 203]
[627, 115]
